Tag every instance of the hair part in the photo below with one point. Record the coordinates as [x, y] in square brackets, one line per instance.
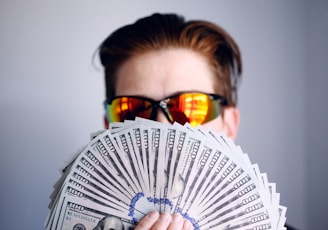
[161, 31]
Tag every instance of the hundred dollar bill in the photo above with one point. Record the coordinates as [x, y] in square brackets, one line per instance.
[98, 167]
[116, 157]
[64, 172]
[166, 167]
[263, 187]
[145, 137]
[163, 156]
[111, 196]
[198, 186]
[235, 152]
[168, 137]
[85, 192]
[88, 215]
[175, 184]
[124, 160]
[87, 162]
[188, 157]
[134, 156]
[90, 177]
[75, 189]
[138, 143]
[85, 178]
[213, 176]
[216, 213]
[157, 151]
[138, 194]
[229, 206]
[219, 181]
[242, 210]
[257, 221]
[228, 189]
[196, 170]
[281, 217]
[233, 168]
[50, 221]
[94, 167]
[157, 133]
[234, 209]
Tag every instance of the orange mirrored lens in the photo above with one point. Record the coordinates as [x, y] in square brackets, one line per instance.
[128, 108]
[195, 108]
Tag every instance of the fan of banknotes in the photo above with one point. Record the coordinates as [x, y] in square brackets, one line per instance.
[138, 166]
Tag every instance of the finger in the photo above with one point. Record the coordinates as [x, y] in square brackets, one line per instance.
[176, 223]
[187, 225]
[163, 222]
[148, 221]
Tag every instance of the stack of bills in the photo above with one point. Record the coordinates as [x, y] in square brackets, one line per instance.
[138, 166]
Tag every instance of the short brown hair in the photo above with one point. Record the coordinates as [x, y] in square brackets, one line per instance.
[160, 31]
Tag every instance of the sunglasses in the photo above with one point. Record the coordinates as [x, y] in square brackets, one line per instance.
[193, 107]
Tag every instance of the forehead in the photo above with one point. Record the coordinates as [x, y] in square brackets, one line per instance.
[158, 74]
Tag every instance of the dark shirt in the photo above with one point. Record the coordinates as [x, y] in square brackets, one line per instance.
[290, 227]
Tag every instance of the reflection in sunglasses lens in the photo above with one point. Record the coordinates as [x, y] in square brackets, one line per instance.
[191, 107]
[128, 109]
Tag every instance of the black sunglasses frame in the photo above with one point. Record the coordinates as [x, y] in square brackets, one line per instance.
[162, 104]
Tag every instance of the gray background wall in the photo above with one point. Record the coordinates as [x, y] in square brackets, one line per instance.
[51, 94]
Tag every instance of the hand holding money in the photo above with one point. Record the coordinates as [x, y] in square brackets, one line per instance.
[154, 220]
[144, 174]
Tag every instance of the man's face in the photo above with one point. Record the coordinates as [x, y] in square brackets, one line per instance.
[160, 74]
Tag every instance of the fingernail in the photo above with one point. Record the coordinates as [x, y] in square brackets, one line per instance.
[187, 225]
[177, 218]
[164, 217]
[153, 215]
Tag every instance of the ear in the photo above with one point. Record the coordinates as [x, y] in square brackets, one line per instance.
[231, 121]
[106, 123]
